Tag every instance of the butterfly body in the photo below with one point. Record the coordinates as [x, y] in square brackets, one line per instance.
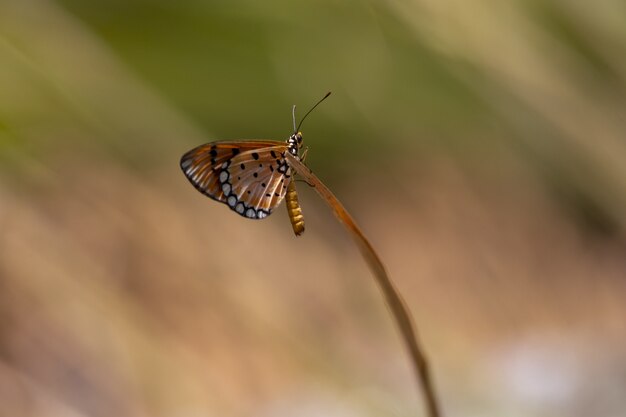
[250, 177]
[293, 209]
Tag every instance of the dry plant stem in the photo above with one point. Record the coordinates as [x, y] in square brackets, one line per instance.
[393, 298]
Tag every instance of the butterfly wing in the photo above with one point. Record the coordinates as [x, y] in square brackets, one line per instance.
[251, 177]
[202, 164]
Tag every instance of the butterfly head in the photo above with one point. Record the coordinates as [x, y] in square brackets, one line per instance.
[295, 143]
[295, 140]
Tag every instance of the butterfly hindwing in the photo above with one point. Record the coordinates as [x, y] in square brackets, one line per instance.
[256, 181]
[251, 177]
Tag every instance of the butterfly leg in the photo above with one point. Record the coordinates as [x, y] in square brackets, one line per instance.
[303, 157]
[307, 183]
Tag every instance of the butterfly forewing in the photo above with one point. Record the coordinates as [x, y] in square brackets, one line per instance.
[251, 177]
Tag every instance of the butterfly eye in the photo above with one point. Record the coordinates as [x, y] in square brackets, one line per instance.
[299, 137]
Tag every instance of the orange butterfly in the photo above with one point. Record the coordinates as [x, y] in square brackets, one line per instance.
[252, 177]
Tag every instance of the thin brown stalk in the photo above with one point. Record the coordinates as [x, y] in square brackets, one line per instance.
[394, 300]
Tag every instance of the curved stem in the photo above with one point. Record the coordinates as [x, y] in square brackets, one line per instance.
[394, 300]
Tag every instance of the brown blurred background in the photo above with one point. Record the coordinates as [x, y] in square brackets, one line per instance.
[481, 145]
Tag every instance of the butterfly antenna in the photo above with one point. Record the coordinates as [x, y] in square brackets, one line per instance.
[293, 116]
[307, 113]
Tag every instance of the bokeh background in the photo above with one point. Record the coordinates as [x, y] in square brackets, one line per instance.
[480, 144]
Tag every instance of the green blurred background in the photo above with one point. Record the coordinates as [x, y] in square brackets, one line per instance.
[481, 145]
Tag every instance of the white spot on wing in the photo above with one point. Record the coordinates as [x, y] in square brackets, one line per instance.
[226, 188]
[223, 176]
[232, 200]
[190, 171]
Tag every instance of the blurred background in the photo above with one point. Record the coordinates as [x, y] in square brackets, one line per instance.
[481, 146]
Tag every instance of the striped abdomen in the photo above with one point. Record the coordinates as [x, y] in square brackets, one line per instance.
[293, 209]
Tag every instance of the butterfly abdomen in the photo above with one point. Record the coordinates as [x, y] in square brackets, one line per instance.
[293, 209]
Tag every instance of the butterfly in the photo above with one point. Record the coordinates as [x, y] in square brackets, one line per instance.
[252, 177]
